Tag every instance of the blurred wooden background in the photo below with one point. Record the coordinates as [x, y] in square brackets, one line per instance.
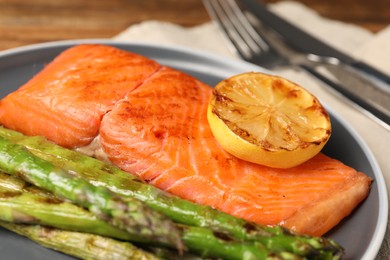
[25, 22]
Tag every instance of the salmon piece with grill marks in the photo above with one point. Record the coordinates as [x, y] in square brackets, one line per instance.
[153, 123]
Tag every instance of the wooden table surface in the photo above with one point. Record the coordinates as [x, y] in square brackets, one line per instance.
[25, 22]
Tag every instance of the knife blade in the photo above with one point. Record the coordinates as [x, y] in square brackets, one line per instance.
[305, 42]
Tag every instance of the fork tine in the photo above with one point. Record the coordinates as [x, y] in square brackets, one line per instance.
[247, 26]
[218, 15]
[234, 24]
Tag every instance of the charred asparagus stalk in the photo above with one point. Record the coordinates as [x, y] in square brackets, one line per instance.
[26, 204]
[21, 203]
[126, 213]
[181, 211]
[106, 175]
[81, 245]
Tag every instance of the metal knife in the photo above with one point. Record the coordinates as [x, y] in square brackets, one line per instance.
[307, 43]
[370, 93]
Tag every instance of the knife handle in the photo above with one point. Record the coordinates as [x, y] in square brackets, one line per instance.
[364, 91]
[365, 68]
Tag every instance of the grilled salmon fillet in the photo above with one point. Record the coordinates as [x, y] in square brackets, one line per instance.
[152, 122]
[81, 85]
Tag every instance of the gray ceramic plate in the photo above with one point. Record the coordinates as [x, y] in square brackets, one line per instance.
[361, 233]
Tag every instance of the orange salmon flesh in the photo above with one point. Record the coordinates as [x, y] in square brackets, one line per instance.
[152, 122]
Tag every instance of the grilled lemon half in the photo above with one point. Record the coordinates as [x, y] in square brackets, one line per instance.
[267, 120]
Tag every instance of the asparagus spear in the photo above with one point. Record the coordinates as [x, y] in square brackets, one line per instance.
[82, 245]
[103, 174]
[181, 211]
[126, 213]
[20, 203]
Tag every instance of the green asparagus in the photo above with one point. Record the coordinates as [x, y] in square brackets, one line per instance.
[106, 175]
[126, 213]
[20, 203]
[81, 245]
[181, 211]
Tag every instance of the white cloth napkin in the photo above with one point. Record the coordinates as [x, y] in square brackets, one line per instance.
[355, 41]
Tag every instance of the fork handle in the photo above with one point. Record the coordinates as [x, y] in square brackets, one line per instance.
[364, 90]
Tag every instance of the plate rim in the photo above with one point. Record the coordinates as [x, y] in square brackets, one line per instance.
[381, 225]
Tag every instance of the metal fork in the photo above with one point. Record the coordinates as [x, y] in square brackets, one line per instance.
[259, 44]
